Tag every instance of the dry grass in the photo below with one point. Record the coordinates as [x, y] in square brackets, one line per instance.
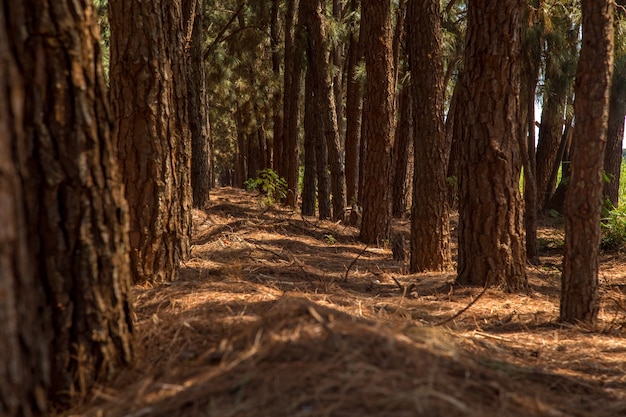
[263, 322]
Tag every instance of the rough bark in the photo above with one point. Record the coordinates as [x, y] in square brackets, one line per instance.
[430, 225]
[378, 120]
[66, 310]
[312, 129]
[579, 292]
[491, 232]
[148, 95]
[277, 140]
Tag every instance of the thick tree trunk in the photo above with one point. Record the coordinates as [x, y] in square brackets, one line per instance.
[148, 94]
[378, 120]
[491, 230]
[198, 118]
[64, 266]
[579, 292]
[430, 225]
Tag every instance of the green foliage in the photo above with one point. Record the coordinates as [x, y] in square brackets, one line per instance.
[613, 229]
[270, 184]
[330, 239]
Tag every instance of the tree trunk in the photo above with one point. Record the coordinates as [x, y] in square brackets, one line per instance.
[403, 152]
[64, 266]
[378, 119]
[312, 129]
[430, 225]
[615, 136]
[579, 292]
[312, 15]
[491, 231]
[277, 143]
[148, 94]
[198, 118]
[354, 107]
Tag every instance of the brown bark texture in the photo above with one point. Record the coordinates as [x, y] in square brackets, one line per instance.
[430, 224]
[67, 220]
[378, 119]
[149, 100]
[579, 292]
[491, 230]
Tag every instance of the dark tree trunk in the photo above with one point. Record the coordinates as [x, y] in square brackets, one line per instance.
[354, 107]
[430, 225]
[277, 141]
[491, 230]
[148, 95]
[378, 119]
[64, 265]
[312, 129]
[293, 68]
[615, 136]
[403, 152]
[312, 15]
[579, 292]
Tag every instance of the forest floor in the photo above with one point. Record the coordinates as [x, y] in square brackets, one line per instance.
[276, 314]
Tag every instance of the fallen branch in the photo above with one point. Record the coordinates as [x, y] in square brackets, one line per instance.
[345, 279]
[463, 310]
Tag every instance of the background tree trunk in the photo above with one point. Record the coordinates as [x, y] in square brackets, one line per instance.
[312, 15]
[403, 153]
[148, 94]
[430, 226]
[354, 107]
[198, 118]
[491, 231]
[67, 318]
[378, 119]
[579, 291]
[615, 136]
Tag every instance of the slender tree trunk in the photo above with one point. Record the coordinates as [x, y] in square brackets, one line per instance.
[491, 232]
[615, 136]
[430, 226]
[403, 152]
[378, 118]
[64, 266]
[312, 130]
[354, 107]
[312, 14]
[277, 144]
[198, 118]
[579, 292]
[148, 95]
[293, 69]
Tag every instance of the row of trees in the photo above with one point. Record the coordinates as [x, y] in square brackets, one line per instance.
[97, 184]
[414, 104]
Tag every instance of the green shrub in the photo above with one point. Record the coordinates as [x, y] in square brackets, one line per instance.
[269, 184]
[613, 227]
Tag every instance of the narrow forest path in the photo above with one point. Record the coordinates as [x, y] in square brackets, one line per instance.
[280, 315]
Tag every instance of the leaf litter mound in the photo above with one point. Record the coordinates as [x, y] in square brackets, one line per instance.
[277, 314]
